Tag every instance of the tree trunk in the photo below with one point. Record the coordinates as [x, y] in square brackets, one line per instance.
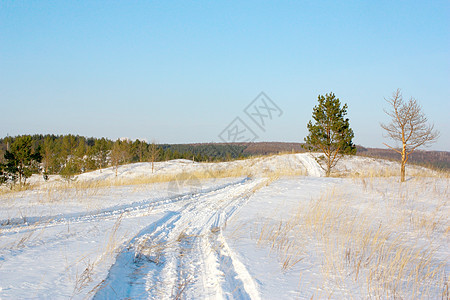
[20, 174]
[402, 175]
[328, 172]
[404, 158]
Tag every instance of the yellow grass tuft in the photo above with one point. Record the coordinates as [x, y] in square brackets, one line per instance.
[353, 245]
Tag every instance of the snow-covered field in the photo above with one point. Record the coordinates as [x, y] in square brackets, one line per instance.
[264, 228]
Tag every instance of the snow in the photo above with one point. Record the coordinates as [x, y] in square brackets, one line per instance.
[267, 233]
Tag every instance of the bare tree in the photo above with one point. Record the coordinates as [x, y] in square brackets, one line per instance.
[119, 153]
[154, 153]
[408, 126]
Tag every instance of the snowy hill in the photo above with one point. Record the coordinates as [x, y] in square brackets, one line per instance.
[271, 227]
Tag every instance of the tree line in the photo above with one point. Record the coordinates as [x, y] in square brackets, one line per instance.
[329, 133]
[68, 155]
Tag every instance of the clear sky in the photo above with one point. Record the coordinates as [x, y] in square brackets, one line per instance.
[180, 72]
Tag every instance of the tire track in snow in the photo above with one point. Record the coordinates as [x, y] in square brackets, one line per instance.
[237, 276]
[185, 254]
[311, 165]
[17, 224]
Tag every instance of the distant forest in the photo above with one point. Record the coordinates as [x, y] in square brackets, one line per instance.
[58, 153]
[73, 154]
[432, 159]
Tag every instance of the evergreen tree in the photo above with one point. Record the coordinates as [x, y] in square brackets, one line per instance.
[79, 153]
[22, 160]
[140, 149]
[69, 170]
[101, 150]
[72, 154]
[330, 133]
[3, 176]
[69, 143]
[49, 159]
[168, 155]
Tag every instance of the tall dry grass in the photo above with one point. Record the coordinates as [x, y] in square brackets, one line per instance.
[85, 190]
[84, 279]
[412, 171]
[355, 247]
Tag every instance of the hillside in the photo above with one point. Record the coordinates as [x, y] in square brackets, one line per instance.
[268, 227]
[434, 159]
[70, 155]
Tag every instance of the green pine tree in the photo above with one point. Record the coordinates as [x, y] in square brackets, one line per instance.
[330, 133]
[21, 159]
[101, 150]
[79, 154]
[69, 143]
[3, 175]
[49, 157]
[69, 170]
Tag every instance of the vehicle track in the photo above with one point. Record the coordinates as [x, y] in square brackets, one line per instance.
[184, 254]
[22, 224]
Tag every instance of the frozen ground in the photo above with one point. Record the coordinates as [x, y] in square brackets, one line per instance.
[257, 235]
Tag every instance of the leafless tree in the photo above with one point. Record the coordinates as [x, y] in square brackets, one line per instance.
[154, 153]
[119, 153]
[408, 126]
[47, 155]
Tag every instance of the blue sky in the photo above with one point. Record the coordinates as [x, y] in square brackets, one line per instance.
[180, 72]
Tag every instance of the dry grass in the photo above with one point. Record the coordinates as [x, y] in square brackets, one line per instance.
[85, 278]
[285, 173]
[356, 247]
[78, 189]
[83, 191]
[29, 236]
[87, 275]
[180, 288]
[392, 171]
[381, 254]
[6, 189]
[281, 239]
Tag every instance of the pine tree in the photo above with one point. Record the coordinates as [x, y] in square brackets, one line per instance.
[69, 170]
[89, 160]
[101, 149]
[79, 153]
[69, 143]
[3, 175]
[330, 133]
[22, 160]
[49, 160]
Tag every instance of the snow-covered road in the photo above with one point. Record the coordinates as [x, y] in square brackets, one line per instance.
[185, 253]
